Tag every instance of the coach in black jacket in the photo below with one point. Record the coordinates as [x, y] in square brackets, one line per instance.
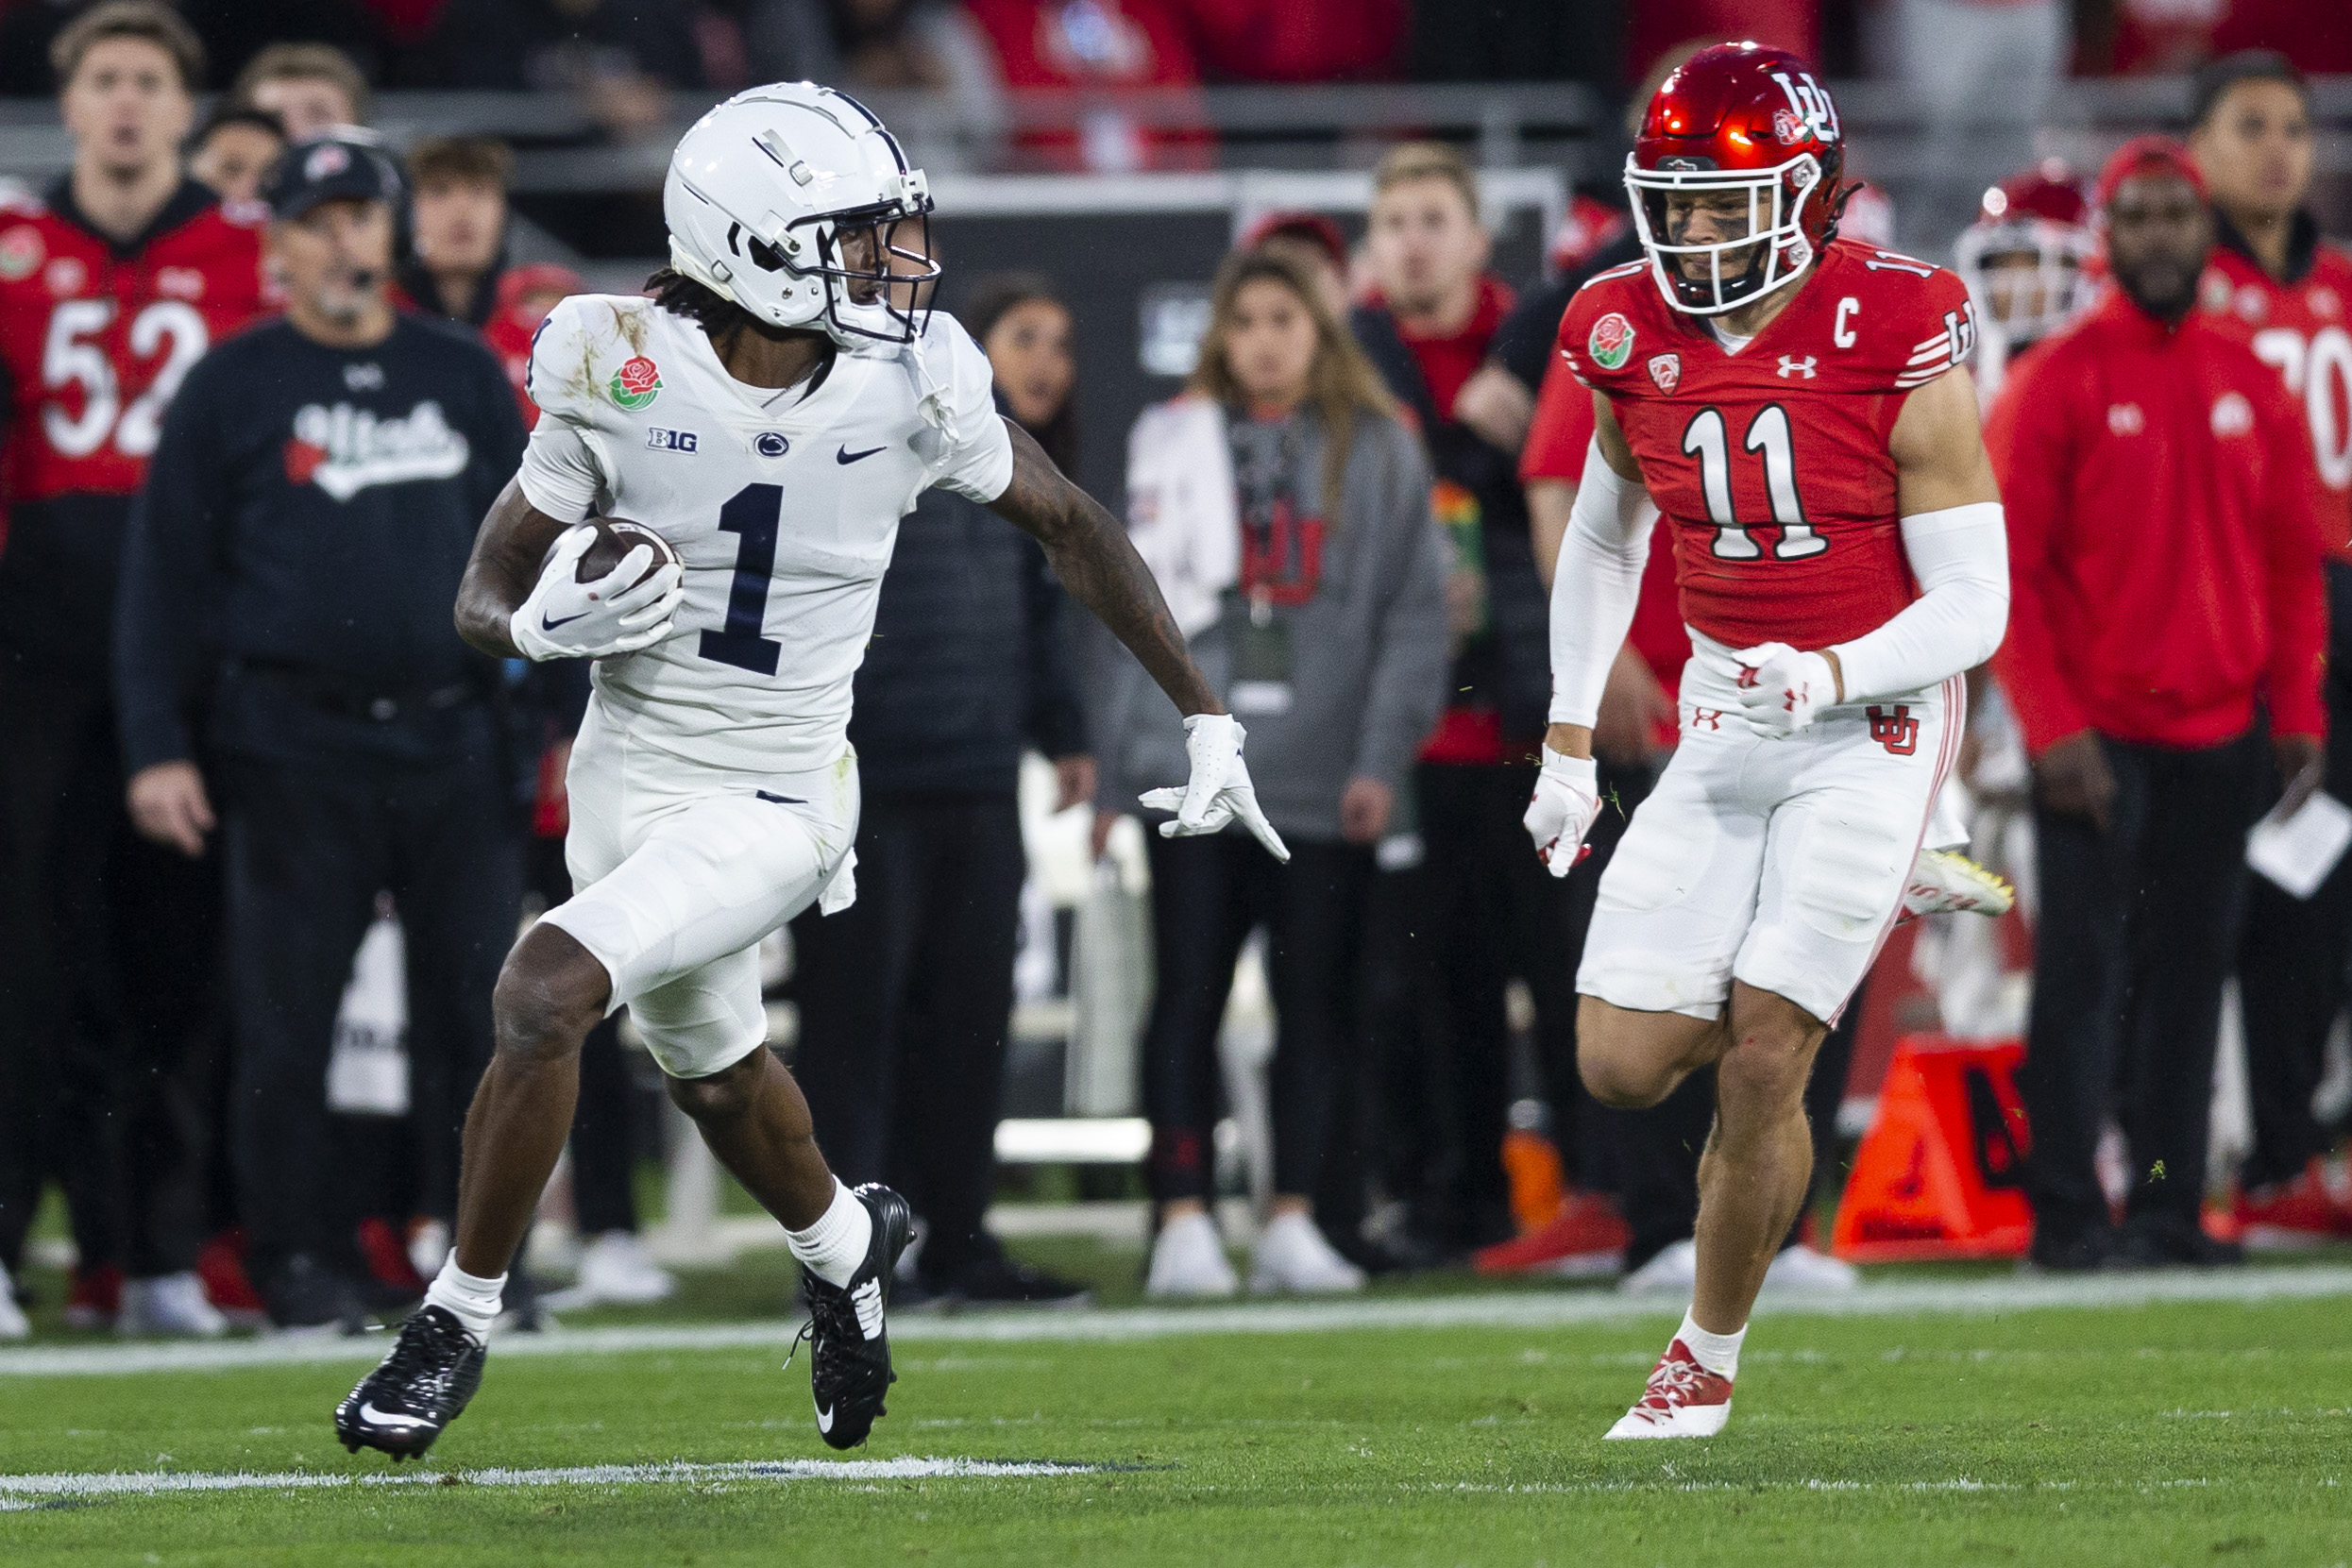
[905, 997]
[291, 564]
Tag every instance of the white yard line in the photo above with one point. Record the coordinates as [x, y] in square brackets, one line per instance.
[1562, 1309]
[15, 1489]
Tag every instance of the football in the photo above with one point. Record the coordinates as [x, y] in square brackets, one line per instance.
[615, 538]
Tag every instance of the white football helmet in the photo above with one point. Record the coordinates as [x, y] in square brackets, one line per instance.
[787, 199]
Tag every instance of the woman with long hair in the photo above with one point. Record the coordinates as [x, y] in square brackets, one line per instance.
[1284, 508]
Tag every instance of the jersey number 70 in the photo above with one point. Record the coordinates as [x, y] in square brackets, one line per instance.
[1704, 438]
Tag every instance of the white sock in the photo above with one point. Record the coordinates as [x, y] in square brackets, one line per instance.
[1718, 1353]
[834, 1247]
[473, 1301]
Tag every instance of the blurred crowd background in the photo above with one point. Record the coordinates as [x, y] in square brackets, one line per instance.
[1348, 228]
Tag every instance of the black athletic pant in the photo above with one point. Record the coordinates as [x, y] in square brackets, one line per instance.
[906, 1000]
[2292, 964]
[309, 846]
[1495, 912]
[1208, 894]
[2139, 930]
[109, 1017]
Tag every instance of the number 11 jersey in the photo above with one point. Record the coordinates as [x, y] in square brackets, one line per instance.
[782, 507]
[1771, 463]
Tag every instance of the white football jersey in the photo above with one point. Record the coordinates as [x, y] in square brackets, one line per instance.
[782, 507]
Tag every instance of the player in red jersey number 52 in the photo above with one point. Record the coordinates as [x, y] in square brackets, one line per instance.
[1793, 403]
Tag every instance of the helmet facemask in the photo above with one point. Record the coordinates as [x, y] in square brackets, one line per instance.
[2029, 279]
[876, 287]
[1770, 250]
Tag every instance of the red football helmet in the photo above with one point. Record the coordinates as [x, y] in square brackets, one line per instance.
[2026, 258]
[1736, 120]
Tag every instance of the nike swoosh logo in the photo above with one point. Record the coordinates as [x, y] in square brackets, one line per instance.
[548, 625]
[778, 800]
[824, 1419]
[846, 456]
[390, 1418]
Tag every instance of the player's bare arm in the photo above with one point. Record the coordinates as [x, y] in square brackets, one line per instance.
[1097, 563]
[513, 541]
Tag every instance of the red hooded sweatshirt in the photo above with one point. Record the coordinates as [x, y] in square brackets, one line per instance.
[2164, 540]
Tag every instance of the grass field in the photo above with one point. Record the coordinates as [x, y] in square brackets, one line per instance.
[1422, 1428]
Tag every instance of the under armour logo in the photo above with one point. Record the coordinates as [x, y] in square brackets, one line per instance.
[1711, 717]
[1791, 365]
[1898, 731]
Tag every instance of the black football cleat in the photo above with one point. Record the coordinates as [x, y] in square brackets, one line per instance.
[849, 1348]
[419, 1389]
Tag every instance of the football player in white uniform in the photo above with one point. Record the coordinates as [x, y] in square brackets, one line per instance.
[770, 413]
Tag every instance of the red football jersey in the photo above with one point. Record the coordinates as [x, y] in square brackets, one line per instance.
[1771, 463]
[94, 339]
[2304, 329]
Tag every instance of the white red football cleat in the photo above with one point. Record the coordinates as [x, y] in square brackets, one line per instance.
[1683, 1400]
[1945, 881]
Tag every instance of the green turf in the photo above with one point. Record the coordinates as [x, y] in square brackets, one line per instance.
[2169, 1434]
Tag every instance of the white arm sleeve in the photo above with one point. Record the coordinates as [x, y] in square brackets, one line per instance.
[1960, 557]
[1596, 585]
[560, 475]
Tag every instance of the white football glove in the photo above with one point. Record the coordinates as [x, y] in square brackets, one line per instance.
[1566, 804]
[567, 619]
[1219, 790]
[1780, 690]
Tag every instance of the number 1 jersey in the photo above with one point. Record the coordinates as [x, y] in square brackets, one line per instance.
[1771, 463]
[782, 507]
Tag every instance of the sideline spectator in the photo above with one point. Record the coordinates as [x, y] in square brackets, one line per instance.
[233, 150]
[1493, 912]
[112, 285]
[312, 88]
[314, 500]
[1108, 47]
[2272, 283]
[971, 630]
[525, 296]
[2165, 558]
[907, 996]
[457, 215]
[1284, 509]
[1315, 244]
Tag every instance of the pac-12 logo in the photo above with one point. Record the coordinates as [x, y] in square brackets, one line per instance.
[1898, 731]
[637, 383]
[1612, 342]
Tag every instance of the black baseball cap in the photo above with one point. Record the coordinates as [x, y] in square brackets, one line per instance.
[346, 163]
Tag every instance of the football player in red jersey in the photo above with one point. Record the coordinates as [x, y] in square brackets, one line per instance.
[2027, 262]
[1791, 402]
[112, 285]
[2273, 284]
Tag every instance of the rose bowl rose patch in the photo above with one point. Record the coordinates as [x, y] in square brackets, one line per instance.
[1612, 343]
[635, 384]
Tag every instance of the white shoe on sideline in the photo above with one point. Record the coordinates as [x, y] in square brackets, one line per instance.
[615, 1269]
[169, 1307]
[13, 1325]
[1292, 1255]
[1800, 1268]
[1945, 881]
[1673, 1272]
[1189, 1259]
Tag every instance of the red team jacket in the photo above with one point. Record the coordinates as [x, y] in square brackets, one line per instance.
[2164, 547]
[1771, 464]
[95, 338]
[2304, 329]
